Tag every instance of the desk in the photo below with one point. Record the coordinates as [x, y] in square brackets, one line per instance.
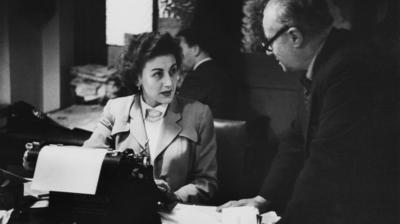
[78, 116]
[190, 214]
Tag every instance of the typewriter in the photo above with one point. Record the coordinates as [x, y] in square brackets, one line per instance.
[126, 192]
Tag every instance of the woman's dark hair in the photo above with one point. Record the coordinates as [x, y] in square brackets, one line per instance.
[142, 48]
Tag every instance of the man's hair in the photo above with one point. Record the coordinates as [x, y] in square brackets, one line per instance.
[141, 49]
[196, 37]
[310, 16]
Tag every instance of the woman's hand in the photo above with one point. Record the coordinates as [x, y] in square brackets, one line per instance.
[27, 165]
[162, 185]
[257, 202]
[170, 199]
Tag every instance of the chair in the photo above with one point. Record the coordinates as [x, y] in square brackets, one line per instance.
[245, 152]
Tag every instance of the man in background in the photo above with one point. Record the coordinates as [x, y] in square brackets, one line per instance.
[340, 156]
[205, 80]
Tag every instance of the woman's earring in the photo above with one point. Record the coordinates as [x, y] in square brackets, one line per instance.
[139, 88]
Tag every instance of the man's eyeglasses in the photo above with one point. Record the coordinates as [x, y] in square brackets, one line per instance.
[267, 44]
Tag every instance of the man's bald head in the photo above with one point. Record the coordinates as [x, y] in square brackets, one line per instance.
[310, 16]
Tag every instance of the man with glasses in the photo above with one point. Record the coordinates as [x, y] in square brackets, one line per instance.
[340, 155]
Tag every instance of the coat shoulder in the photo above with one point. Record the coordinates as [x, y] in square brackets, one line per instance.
[121, 100]
[191, 106]
[117, 105]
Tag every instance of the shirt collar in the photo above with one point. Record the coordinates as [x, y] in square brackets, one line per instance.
[201, 62]
[310, 68]
[144, 106]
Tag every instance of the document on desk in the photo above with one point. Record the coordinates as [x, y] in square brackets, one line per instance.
[196, 214]
[69, 169]
[193, 214]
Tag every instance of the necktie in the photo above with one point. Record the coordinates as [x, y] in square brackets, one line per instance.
[153, 115]
[307, 88]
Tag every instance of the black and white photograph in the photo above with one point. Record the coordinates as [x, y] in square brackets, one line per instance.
[199, 111]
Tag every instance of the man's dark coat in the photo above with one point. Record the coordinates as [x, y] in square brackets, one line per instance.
[210, 84]
[341, 153]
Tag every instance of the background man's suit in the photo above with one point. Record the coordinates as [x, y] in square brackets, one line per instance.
[209, 84]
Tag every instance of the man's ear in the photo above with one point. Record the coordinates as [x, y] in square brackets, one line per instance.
[296, 36]
[196, 50]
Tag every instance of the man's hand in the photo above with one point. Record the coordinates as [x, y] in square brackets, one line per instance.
[257, 202]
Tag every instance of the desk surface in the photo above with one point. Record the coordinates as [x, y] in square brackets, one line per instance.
[78, 116]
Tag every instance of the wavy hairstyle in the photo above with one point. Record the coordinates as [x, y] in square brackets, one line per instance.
[142, 48]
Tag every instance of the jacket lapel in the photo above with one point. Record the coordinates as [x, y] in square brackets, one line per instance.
[170, 128]
[121, 123]
[336, 36]
[138, 131]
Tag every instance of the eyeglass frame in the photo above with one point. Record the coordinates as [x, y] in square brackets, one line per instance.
[267, 44]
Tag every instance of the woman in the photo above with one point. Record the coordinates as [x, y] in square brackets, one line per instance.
[177, 133]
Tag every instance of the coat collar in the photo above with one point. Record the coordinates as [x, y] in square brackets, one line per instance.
[121, 122]
[201, 62]
[171, 127]
[336, 39]
[136, 121]
[131, 119]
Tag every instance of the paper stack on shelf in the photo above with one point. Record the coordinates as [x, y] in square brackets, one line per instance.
[90, 81]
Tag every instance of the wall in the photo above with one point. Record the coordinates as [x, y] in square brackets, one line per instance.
[5, 87]
[34, 52]
[50, 39]
[66, 41]
[270, 91]
[25, 44]
[164, 25]
[90, 32]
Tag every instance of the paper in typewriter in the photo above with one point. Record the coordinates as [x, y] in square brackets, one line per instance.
[69, 169]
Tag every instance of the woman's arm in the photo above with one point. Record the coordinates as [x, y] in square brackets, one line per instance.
[204, 185]
[101, 136]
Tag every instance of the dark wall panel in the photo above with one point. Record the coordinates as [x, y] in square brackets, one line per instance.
[25, 44]
[90, 32]
[271, 92]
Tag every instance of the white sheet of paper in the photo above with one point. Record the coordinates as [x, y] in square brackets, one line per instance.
[193, 214]
[70, 169]
[239, 215]
[270, 218]
[28, 191]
